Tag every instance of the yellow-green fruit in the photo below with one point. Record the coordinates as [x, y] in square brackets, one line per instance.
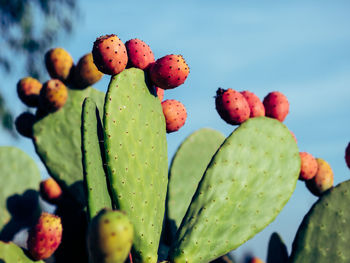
[59, 63]
[53, 95]
[86, 72]
[28, 90]
[110, 237]
[323, 180]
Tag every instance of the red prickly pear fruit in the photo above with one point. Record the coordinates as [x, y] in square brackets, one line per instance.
[59, 64]
[308, 167]
[160, 93]
[347, 155]
[28, 90]
[256, 107]
[276, 105]
[232, 106]
[109, 54]
[45, 237]
[140, 54]
[50, 191]
[86, 72]
[323, 180]
[255, 260]
[53, 95]
[169, 72]
[24, 124]
[175, 115]
[110, 237]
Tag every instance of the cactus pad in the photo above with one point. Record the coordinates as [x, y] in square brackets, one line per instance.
[186, 170]
[324, 234]
[10, 253]
[246, 185]
[57, 140]
[94, 173]
[136, 155]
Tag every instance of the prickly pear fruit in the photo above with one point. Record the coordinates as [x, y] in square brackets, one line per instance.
[256, 107]
[276, 105]
[110, 237]
[232, 106]
[109, 54]
[140, 54]
[323, 180]
[295, 138]
[169, 72]
[45, 237]
[59, 64]
[28, 90]
[175, 115]
[86, 72]
[308, 166]
[50, 191]
[160, 93]
[347, 155]
[24, 124]
[255, 260]
[53, 95]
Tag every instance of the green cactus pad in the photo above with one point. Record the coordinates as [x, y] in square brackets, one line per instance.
[324, 234]
[136, 155]
[246, 185]
[277, 250]
[57, 139]
[20, 179]
[186, 170]
[10, 253]
[94, 173]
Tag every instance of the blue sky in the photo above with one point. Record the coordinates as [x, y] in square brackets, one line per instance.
[300, 48]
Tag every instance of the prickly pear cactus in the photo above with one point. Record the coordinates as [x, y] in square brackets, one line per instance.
[235, 198]
[10, 253]
[94, 173]
[18, 195]
[136, 155]
[186, 170]
[57, 140]
[323, 236]
[277, 250]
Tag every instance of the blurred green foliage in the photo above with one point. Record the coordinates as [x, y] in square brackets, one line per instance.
[28, 28]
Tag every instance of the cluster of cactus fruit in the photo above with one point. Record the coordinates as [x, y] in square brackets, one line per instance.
[116, 198]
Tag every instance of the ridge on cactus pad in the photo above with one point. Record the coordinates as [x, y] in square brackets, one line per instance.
[235, 200]
[136, 156]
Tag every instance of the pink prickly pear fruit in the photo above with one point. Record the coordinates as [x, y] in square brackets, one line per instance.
[232, 106]
[50, 191]
[160, 94]
[110, 237]
[140, 54]
[276, 105]
[309, 166]
[59, 64]
[175, 115]
[256, 107]
[24, 124]
[86, 72]
[323, 180]
[347, 155]
[45, 237]
[109, 54]
[28, 90]
[53, 95]
[169, 72]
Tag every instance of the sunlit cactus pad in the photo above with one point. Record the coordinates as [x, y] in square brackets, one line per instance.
[57, 140]
[11, 253]
[246, 185]
[324, 234]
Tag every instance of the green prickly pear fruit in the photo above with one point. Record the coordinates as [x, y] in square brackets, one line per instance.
[86, 72]
[53, 95]
[28, 90]
[59, 63]
[323, 180]
[110, 237]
